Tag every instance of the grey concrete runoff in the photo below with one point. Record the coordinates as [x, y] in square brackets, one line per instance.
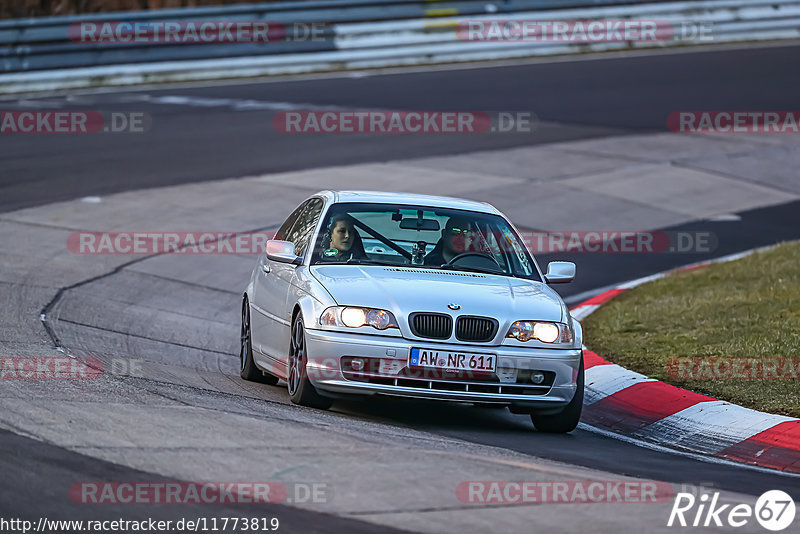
[186, 414]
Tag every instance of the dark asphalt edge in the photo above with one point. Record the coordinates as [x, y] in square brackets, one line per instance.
[23, 496]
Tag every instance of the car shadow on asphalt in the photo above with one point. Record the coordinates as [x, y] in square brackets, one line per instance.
[435, 415]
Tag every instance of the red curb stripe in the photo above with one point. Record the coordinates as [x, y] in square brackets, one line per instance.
[590, 359]
[693, 267]
[777, 447]
[603, 297]
[642, 404]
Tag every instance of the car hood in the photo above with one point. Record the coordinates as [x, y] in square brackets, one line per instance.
[407, 290]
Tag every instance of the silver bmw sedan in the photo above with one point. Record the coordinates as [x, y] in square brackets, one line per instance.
[407, 295]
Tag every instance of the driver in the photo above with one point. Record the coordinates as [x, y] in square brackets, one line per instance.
[454, 241]
[342, 241]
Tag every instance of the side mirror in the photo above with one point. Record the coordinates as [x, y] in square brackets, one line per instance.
[282, 251]
[560, 272]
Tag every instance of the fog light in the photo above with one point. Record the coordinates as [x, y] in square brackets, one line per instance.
[537, 377]
[357, 364]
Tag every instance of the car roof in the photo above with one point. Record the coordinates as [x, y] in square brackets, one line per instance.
[384, 197]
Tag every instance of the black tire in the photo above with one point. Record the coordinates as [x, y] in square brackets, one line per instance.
[248, 369]
[301, 391]
[567, 419]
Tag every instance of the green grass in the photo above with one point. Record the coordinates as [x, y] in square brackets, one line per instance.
[745, 309]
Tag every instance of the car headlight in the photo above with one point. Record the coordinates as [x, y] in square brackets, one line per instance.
[544, 332]
[355, 317]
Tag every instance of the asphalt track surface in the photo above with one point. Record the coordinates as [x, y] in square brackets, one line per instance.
[575, 100]
[32, 471]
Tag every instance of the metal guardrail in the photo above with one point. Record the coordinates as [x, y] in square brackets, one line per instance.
[43, 43]
[727, 20]
[36, 54]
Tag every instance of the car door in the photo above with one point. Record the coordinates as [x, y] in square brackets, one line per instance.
[274, 286]
[301, 235]
[268, 295]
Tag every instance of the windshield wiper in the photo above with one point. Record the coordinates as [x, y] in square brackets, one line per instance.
[451, 267]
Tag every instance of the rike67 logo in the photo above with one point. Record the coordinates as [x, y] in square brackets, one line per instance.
[774, 510]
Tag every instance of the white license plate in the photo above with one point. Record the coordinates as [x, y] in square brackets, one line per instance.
[445, 359]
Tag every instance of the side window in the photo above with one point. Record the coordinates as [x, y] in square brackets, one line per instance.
[300, 234]
[283, 232]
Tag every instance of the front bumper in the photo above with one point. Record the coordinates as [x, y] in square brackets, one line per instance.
[326, 348]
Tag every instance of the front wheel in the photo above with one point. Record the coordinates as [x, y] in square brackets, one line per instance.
[567, 419]
[301, 391]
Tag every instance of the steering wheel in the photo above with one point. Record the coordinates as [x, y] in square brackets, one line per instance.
[478, 254]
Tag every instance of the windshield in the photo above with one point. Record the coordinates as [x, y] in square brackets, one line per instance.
[414, 236]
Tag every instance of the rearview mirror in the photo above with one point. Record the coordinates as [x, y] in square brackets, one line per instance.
[413, 223]
[282, 251]
[560, 272]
